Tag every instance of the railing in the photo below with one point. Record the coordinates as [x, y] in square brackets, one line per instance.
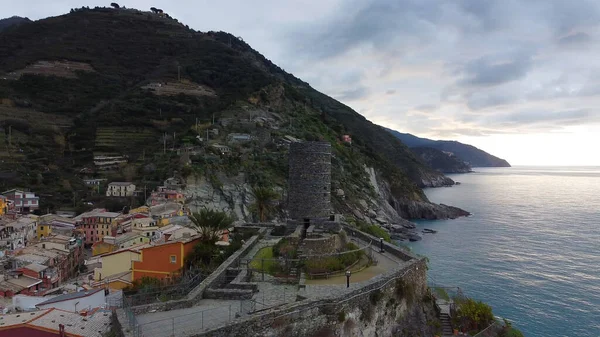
[165, 293]
[194, 322]
[492, 329]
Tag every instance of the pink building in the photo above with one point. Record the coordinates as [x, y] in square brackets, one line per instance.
[96, 224]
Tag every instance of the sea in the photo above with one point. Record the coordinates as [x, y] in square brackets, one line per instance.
[531, 248]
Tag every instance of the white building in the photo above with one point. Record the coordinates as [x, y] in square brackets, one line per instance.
[120, 189]
[76, 302]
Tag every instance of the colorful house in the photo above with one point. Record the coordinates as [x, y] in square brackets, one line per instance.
[111, 243]
[96, 224]
[24, 202]
[3, 205]
[116, 268]
[43, 230]
[163, 261]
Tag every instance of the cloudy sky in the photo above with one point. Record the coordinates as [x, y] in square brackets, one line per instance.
[519, 79]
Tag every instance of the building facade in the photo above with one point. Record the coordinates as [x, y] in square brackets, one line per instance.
[120, 189]
[23, 202]
[163, 261]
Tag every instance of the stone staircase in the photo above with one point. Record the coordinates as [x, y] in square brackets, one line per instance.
[446, 326]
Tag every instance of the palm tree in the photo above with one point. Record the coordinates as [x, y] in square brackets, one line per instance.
[264, 198]
[210, 223]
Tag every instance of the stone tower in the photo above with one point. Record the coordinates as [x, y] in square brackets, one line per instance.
[309, 181]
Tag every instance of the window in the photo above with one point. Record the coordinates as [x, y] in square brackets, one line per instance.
[173, 259]
[141, 239]
[43, 245]
[41, 228]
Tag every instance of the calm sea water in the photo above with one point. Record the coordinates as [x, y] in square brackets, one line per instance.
[531, 248]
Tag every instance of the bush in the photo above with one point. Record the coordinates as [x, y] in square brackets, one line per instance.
[473, 315]
[374, 230]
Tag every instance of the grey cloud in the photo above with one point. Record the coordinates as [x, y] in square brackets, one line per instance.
[353, 94]
[567, 117]
[390, 91]
[481, 100]
[494, 70]
[576, 39]
[426, 108]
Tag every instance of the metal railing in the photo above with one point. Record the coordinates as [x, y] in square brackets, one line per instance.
[194, 322]
[164, 293]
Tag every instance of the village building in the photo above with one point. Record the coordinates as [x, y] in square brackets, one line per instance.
[163, 260]
[120, 189]
[96, 224]
[76, 302]
[116, 268]
[23, 202]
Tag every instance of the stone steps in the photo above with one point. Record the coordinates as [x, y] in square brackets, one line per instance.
[446, 325]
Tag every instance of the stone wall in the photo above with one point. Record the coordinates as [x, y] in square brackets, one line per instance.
[328, 244]
[309, 180]
[400, 253]
[390, 304]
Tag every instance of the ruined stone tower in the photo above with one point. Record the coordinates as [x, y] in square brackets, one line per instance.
[309, 181]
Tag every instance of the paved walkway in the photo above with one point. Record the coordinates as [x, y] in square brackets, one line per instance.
[208, 314]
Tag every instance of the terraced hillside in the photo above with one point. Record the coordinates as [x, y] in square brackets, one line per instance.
[112, 110]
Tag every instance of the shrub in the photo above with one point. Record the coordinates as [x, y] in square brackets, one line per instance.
[473, 315]
[341, 316]
[374, 230]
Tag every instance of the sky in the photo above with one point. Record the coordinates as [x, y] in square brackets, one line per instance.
[519, 79]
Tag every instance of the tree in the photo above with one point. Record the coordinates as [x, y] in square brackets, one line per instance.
[264, 198]
[158, 10]
[115, 5]
[210, 224]
[154, 10]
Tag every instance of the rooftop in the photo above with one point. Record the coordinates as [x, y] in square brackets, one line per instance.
[120, 183]
[36, 267]
[71, 296]
[94, 325]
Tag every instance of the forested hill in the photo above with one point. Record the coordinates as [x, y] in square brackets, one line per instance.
[467, 153]
[124, 82]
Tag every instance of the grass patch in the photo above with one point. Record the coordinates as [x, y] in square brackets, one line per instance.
[441, 293]
[374, 230]
[268, 265]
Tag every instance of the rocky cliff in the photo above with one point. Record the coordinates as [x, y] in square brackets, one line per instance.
[445, 162]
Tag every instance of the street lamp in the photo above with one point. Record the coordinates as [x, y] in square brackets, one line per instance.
[381, 245]
[348, 273]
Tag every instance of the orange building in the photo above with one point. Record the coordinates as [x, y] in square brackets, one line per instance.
[163, 261]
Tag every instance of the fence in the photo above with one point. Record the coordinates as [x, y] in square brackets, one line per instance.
[201, 319]
[492, 330]
[164, 293]
[290, 268]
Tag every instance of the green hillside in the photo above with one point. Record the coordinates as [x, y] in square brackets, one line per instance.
[95, 63]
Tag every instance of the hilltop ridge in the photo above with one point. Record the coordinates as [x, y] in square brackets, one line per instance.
[80, 85]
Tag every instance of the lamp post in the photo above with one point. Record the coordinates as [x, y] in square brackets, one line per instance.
[348, 273]
[381, 245]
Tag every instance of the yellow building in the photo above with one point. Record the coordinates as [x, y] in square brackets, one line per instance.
[111, 243]
[116, 263]
[43, 231]
[3, 205]
[141, 209]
